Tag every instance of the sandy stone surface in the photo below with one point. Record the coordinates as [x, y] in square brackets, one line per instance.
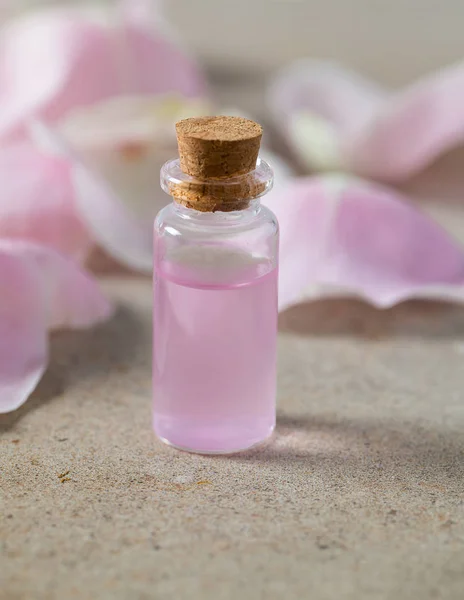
[360, 495]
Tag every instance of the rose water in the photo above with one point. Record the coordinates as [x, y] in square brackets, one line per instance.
[215, 312]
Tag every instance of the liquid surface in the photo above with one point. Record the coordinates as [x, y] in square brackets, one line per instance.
[214, 363]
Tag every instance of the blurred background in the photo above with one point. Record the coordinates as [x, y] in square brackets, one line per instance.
[392, 41]
[242, 46]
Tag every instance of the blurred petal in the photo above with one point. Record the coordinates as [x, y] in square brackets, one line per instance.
[156, 64]
[52, 60]
[23, 337]
[416, 126]
[344, 237]
[124, 237]
[111, 224]
[334, 119]
[69, 296]
[40, 290]
[318, 105]
[127, 140]
[37, 201]
[55, 60]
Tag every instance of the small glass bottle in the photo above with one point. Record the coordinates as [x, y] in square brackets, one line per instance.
[215, 291]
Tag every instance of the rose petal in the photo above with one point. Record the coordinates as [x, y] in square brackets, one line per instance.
[127, 140]
[71, 298]
[335, 119]
[54, 60]
[111, 224]
[40, 289]
[318, 105]
[116, 229]
[157, 64]
[345, 237]
[414, 128]
[23, 337]
[37, 201]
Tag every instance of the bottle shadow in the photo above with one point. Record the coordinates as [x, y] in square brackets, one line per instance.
[85, 354]
[344, 317]
[378, 454]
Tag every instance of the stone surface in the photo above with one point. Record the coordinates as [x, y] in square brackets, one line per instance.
[360, 495]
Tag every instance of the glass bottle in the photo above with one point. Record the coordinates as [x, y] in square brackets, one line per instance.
[215, 314]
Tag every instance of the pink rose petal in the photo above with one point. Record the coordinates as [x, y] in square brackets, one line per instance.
[40, 290]
[318, 105]
[45, 68]
[335, 119]
[112, 226]
[157, 64]
[414, 128]
[55, 60]
[117, 231]
[345, 237]
[37, 201]
[23, 337]
[342, 97]
[71, 298]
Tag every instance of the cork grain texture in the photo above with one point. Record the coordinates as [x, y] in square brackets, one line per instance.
[359, 495]
[218, 147]
[214, 150]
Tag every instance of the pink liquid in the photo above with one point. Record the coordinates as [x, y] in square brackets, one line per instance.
[214, 363]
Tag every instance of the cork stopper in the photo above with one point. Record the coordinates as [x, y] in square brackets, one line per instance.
[218, 147]
[218, 164]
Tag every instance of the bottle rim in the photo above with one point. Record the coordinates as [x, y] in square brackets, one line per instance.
[245, 187]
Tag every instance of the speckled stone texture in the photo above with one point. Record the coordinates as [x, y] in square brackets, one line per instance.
[360, 495]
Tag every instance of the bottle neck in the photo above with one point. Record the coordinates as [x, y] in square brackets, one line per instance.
[237, 194]
[218, 217]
